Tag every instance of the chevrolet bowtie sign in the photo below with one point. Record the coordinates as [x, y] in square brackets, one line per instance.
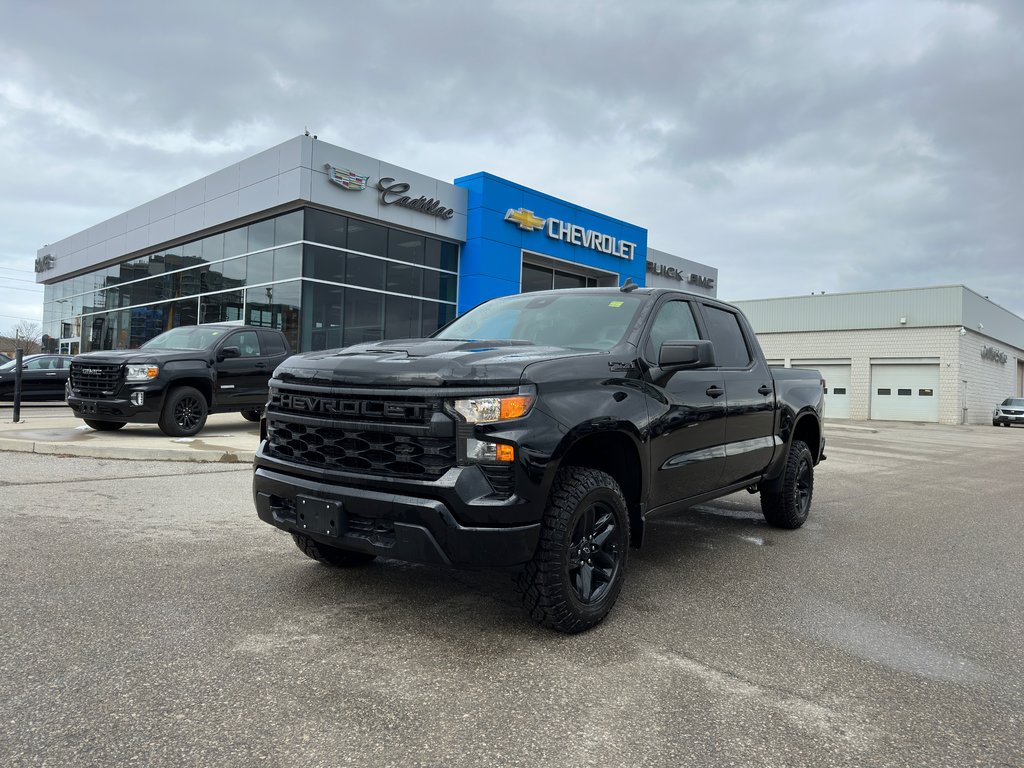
[572, 233]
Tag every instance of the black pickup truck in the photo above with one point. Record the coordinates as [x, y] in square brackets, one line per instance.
[538, 431]
[177, 378]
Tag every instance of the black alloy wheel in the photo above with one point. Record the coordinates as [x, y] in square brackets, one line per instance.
[787, 504]
[594, 553]
[187, 413]
[184, 412]
[579, 566]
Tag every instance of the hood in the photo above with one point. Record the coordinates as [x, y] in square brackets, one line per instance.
[421, 363]
[140, 356]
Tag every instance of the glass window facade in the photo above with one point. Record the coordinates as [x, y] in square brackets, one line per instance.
[542, 278]
[326, 280]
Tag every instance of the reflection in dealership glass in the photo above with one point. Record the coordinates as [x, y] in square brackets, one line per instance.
[1010, 411]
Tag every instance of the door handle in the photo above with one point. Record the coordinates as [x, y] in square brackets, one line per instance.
[261, 365]
[714, 391]
[764, 389]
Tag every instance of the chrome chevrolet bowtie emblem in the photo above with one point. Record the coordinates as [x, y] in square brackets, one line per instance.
[525, 219]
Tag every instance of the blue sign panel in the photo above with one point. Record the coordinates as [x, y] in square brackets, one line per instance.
[504, 219]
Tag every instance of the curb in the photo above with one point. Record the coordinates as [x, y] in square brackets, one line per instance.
[125, 453]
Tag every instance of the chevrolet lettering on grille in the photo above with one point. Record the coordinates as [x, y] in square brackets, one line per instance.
[364, 408]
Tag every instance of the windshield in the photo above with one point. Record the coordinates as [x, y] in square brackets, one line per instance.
[189, 337]
[1016, 402]
[575, 320]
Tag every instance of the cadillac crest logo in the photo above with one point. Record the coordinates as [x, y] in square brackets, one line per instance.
[345, 178]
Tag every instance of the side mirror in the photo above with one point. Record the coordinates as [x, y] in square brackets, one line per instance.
[684, 355]
[228, 352]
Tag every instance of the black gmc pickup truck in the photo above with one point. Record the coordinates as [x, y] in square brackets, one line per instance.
[177, 378]
[538, 431]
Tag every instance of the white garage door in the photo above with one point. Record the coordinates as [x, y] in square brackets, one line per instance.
[905, 392]
[837, 390]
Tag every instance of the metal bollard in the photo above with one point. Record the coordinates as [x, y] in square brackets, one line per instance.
[18, 355]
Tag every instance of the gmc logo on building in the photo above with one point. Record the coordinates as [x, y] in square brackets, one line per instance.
[367, 409]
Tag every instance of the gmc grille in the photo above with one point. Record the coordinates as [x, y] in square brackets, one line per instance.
[97, 380]
[404, 437]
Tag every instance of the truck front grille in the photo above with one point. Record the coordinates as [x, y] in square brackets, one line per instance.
[97, 380]
[403, 437]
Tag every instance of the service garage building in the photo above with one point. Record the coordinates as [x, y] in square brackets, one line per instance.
[943, 354]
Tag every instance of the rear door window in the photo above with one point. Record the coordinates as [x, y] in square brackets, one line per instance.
[272, 343]
[724, 329]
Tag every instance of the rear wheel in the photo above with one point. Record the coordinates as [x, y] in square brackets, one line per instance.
[788, 507]
[104, 426]
[576, 574]
[328, 555]
[252, 414]
[184, 412]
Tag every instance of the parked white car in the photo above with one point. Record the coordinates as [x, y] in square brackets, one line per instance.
[1010, 411]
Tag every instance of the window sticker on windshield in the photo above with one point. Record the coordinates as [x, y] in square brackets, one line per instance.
[616, 303]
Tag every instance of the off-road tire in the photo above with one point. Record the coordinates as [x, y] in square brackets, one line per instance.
[184, 412]
[328, 555]
[104, 426]
[584, 541]
[788, 507]
[252, 414]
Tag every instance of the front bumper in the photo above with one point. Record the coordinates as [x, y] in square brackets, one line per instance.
[400, 521]
[1003, 418]
[119, 408]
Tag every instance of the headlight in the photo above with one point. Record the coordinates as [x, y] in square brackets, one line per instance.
[141, 372]
[481, 410]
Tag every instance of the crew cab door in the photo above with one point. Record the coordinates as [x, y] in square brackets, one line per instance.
[749, 395]
[242, 380]
[687, 419]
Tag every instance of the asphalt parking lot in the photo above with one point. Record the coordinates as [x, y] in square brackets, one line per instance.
[148, 618]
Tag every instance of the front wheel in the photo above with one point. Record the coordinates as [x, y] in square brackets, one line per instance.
[104, 426]
[328, 555]
[788, 506]
[184, 412]
[576, 573]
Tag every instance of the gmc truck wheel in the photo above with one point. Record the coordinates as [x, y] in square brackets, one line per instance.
[575, 575]
[788, 506]
[328, 555]
[184, 412]
[104, 426]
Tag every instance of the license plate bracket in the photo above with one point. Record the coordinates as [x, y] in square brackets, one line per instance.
[325, 518]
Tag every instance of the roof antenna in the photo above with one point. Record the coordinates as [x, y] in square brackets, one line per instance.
[629, 285]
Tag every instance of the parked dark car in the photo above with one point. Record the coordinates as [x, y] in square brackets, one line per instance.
[42, 377]
[4, 358]
[1010, 411]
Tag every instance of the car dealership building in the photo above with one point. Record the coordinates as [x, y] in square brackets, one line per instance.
[336, 248]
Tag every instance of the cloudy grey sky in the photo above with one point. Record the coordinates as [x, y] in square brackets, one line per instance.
[799, 146]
